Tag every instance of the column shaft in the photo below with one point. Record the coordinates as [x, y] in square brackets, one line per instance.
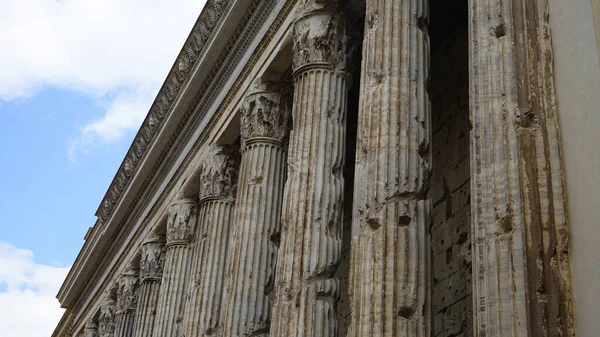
[180, 226]
[125, 324]
[218, 181]
[521, 275]
[306, 289]
[257, 216]
[390, 291]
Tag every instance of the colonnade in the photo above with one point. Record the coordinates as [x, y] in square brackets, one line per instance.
[255, 254]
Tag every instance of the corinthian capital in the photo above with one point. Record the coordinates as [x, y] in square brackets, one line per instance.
[218, 179]
[106, 320]
[265, 113]
[151, 259]
[91, 329]
[320, 36]
[181, 221]
[127, 291]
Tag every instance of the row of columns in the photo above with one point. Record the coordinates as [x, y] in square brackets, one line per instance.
[257, 255]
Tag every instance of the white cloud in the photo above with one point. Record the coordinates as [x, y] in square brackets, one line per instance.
[27, 294]
[116, 51]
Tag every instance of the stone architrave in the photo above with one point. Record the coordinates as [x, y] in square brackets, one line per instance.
[181, 225]
[306, 290]
[90, 329]
[521, 276]
[257, 219]
[390, 290]
[106, 319]
[151, 272]
[218, 185]
[127, 292]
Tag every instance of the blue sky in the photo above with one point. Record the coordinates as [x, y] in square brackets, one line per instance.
[77, 77]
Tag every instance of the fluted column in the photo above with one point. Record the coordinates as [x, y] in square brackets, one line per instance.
[307, 291]
[248, 304]
[180, 228]
[390, 292]
[151, 272]
[106, 319]
[90, 329]
[127, 288]
[218, 185]
[521, 277]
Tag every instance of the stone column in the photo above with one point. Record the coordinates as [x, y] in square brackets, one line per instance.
[307, 291]
[127, 287]
[180, 228]
[151, 270]
[265, 118]
[218, 184]
[521, 273]
[390, 291]
[91, 329]
[106, 319]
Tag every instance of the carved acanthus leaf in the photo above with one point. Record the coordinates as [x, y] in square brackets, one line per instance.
[106, 320]
[181, 221]
[219, 174]
[320, 38]
[91, 329]
[151, 260]
[265, 113]
[127, 286]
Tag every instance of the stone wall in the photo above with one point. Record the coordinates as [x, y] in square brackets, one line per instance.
[450, 187]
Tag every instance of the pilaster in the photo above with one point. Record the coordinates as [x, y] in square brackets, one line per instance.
[218, 186]
[306, 290]
[390, 290]
[265, 118]
[181, 224]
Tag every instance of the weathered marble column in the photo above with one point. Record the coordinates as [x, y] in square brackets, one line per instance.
[127, 287]
[521, 274]
[218, 185]
[106, 319]
[390, 291]
[151, 271]
[91, 329]
[307, 291]
[180, 228]
[265, 119]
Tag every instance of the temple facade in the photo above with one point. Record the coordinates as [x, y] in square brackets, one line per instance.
[325, 168]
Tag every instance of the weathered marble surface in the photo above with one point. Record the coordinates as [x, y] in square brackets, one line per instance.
[248, 302]
[306, 290]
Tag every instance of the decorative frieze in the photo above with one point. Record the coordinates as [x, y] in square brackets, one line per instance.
[249, 296]
[521, 274]
[390, 290]
[306, 290]
[151, 269]
[204, 313]
[181, 224]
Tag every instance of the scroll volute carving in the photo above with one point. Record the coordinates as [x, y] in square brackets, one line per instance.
[266, 113]
[127, 291]
[320, 36]
[181, 221]
[91, 329]
[218, 179]
[106, 320]
[151, 258]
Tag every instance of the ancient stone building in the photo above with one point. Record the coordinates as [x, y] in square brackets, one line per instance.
[358, 168]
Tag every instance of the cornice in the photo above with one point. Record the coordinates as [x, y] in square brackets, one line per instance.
[128, 221]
